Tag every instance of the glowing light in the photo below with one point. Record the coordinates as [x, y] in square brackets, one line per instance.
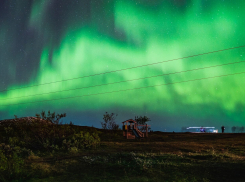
[130, 34]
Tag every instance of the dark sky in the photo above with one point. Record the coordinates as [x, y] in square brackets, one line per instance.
[52, 54]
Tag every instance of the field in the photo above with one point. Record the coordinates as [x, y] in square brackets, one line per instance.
[160, 157]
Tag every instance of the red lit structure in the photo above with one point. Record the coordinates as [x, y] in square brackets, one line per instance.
[130, 129]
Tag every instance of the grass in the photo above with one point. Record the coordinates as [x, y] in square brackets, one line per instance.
[160, 157]
[147, 167]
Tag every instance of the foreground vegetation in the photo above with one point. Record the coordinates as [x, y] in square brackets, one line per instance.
[40, 151]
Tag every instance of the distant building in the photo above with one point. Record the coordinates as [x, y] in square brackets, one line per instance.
[201, 130]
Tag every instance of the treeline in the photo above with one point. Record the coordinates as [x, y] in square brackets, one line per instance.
[237, 129]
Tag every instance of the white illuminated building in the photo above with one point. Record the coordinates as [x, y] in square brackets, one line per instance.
[202, 129]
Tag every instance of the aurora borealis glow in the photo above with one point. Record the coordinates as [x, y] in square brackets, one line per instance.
[51, 40]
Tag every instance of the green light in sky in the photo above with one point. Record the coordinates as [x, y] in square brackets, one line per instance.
[151, 35]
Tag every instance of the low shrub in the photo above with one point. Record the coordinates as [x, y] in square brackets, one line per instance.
[82, 140]
[38, 136]
[11, 164]
[20, 140]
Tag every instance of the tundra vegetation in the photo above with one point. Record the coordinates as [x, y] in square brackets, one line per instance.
[46, 150]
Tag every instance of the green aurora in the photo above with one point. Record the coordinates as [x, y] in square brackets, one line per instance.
[129, 33]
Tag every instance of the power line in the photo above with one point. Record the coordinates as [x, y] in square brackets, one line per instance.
[126, 80]
[128, 89]
[126, 68]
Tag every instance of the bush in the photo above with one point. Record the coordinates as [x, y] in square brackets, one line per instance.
[41, 136]
[81, 140]
[23, 137]
[11, 164]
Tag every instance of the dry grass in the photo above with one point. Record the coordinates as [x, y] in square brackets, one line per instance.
[161, 157]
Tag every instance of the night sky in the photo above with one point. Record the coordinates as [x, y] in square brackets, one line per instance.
[85, 57]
